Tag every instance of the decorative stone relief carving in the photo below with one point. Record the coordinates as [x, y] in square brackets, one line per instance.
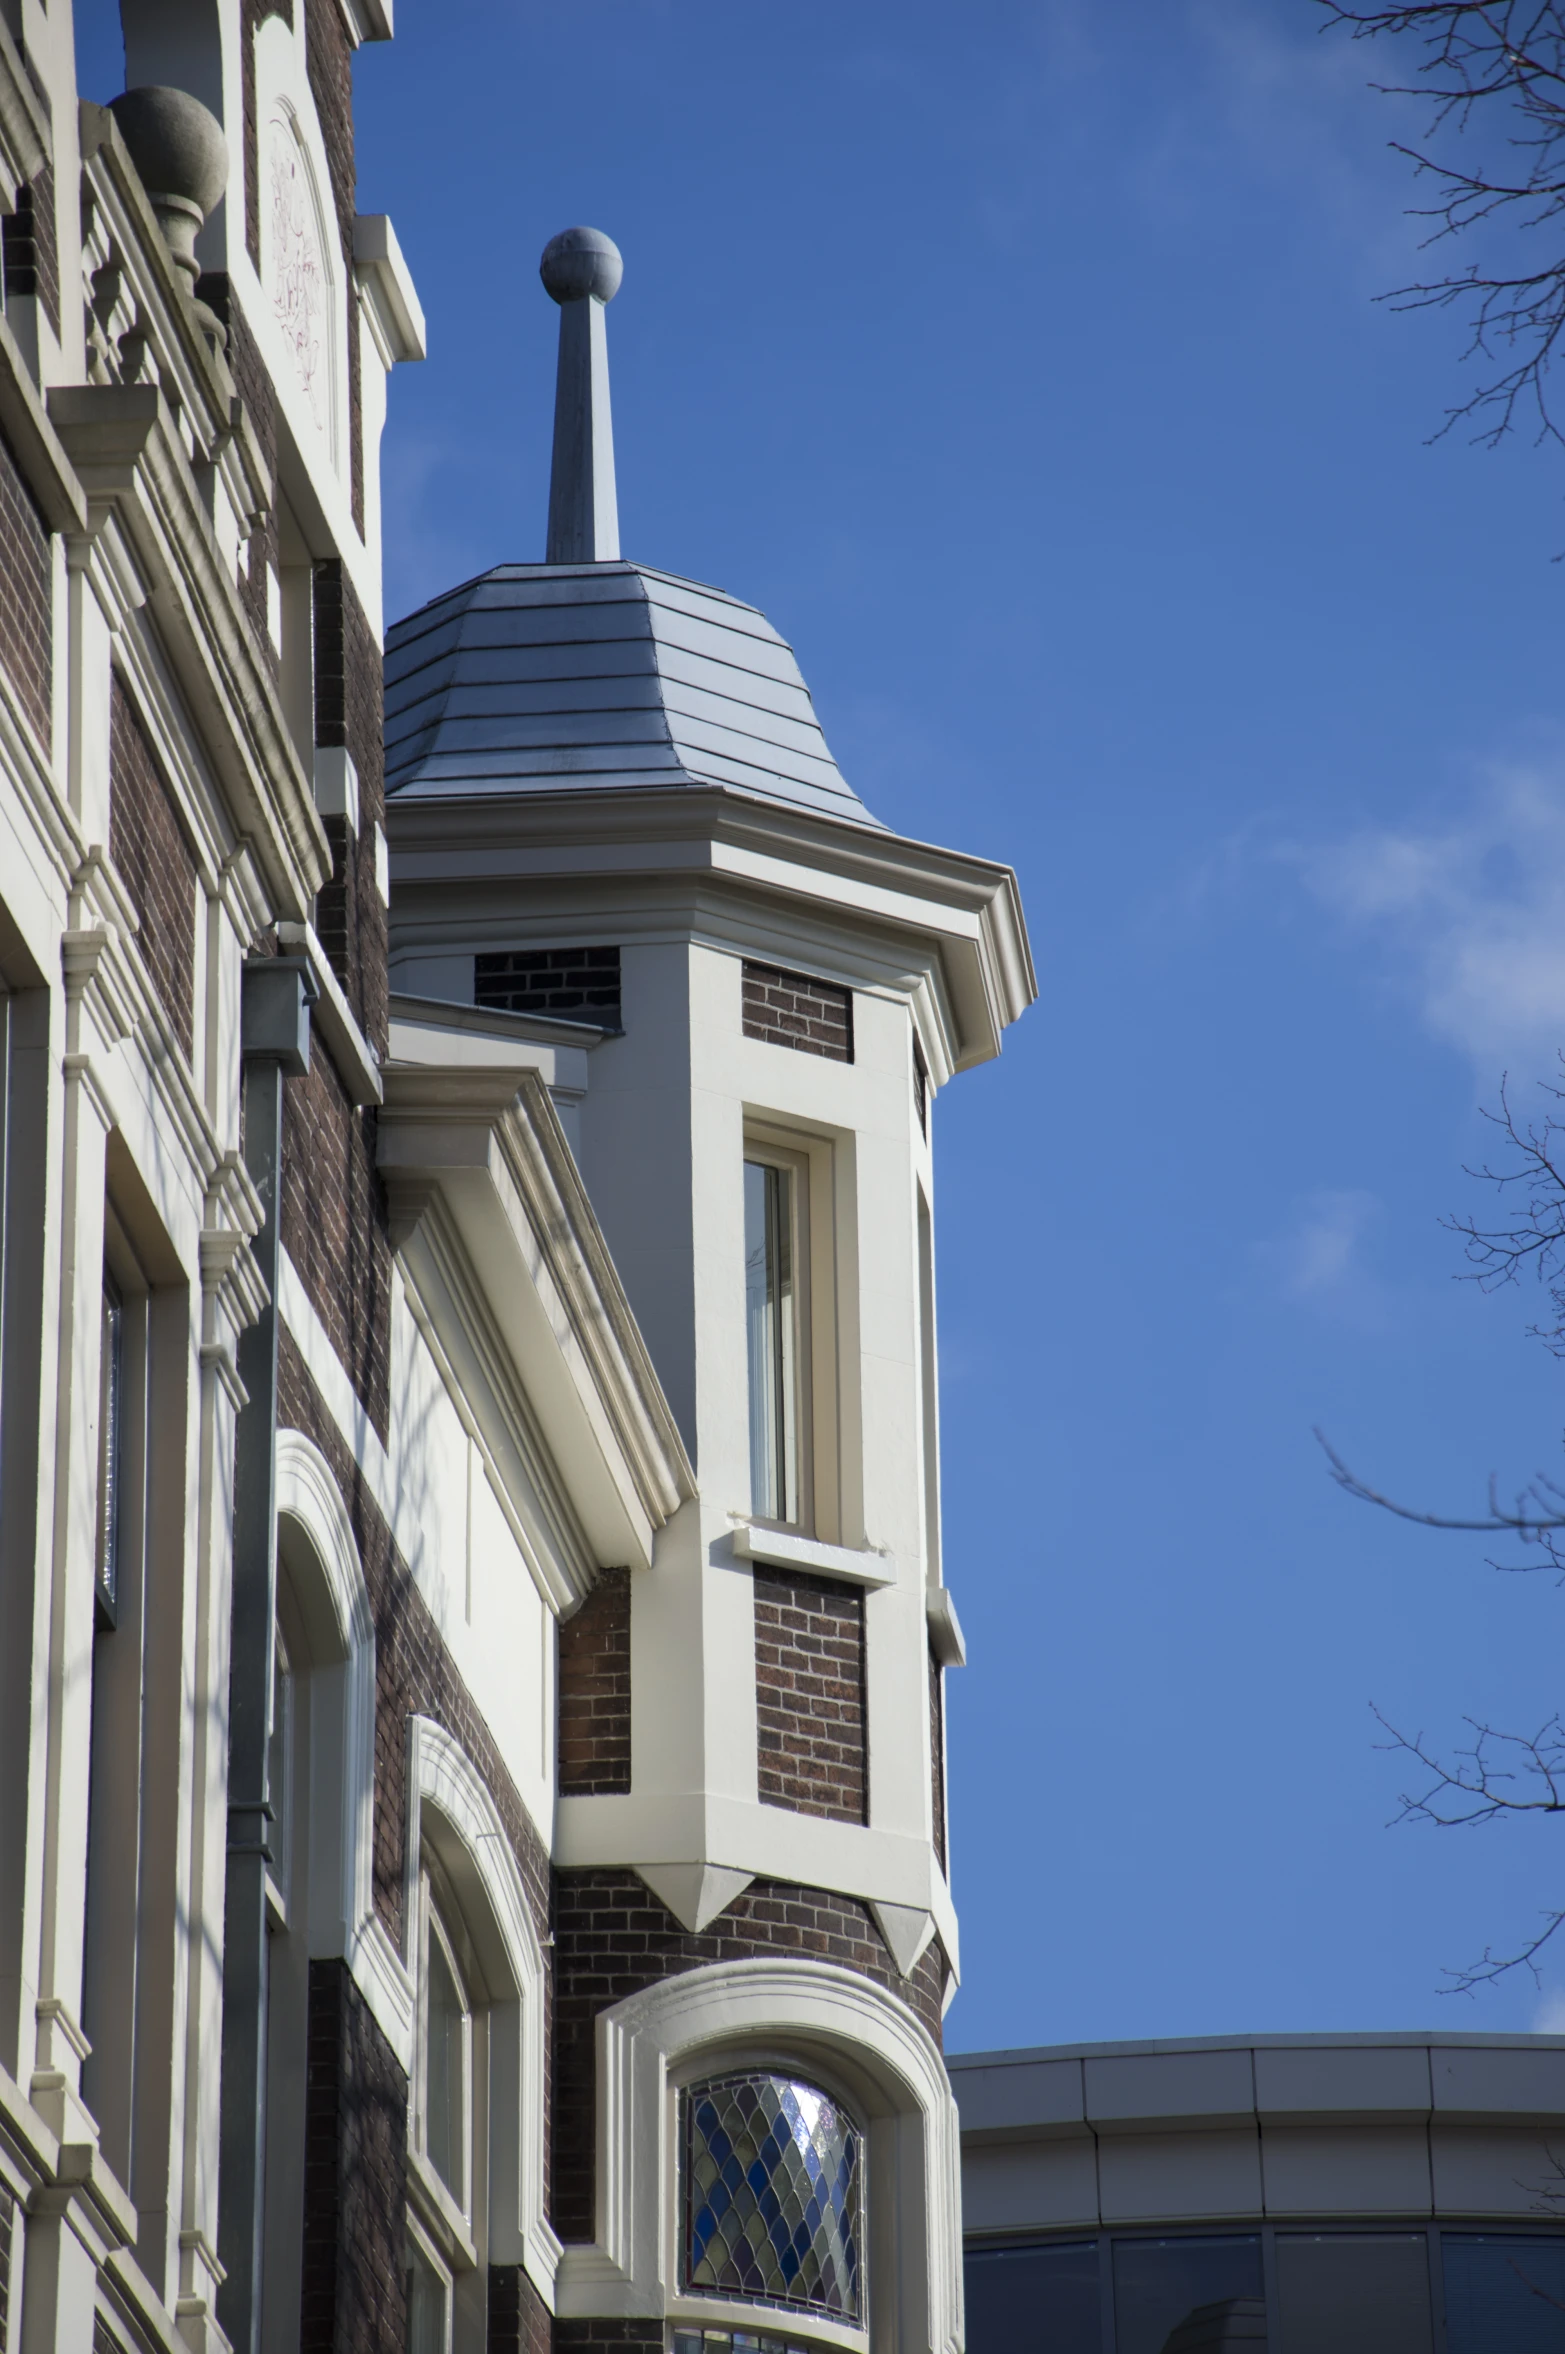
[301, 290]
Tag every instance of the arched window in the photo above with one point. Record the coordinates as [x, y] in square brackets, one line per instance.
[447, 2220]
[475, 2092]
[772, 2195]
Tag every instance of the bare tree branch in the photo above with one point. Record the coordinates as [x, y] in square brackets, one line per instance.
[1527, 1524]
[1500, 1774]
[1499, 65]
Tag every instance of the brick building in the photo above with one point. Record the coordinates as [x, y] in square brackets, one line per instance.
[472, 1858]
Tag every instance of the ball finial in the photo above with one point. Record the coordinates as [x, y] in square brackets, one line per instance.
[580, 262]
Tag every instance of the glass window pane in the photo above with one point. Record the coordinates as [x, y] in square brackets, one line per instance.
[1503, 2296]
[427, 2296]
[1159, 2285]
[1348, 2295]
[111, 1382]
[1034, 2300]
[772, 2195]
[445, 2072]
[769, 1333]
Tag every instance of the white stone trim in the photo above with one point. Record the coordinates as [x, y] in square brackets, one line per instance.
[450, 1804]
[810, 2013]
[342, 1918]
[860, 1565]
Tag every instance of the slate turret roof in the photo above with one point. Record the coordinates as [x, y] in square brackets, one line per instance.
[543, 678]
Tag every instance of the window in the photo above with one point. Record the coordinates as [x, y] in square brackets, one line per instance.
[1035, 2300]
[447, 2065]
[772, 2195]
[1504, 2295]
[287, 1988]
[1160, 2285]
[772, 1338]
[446, 2186]
[429, 2298]
[111, 1395]
[121, 1809]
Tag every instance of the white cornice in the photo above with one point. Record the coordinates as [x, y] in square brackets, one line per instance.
[332, 1015]
[652, 847]
[127, 451]
[487, 1146]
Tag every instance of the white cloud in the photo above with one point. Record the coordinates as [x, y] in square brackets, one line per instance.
[1320, 1259]
[1549, 2016]
[1471, 912]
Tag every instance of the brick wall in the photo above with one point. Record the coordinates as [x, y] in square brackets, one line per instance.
[334, 1225]
[791, 1009]
[350, 913]
[354, 2298]
[578, 984]
[518, 2317]
[594, 1685]
[331, 83]
[26, 605]
[27, 241]
[608, 2337]
[612, 1938]
[150, 855]
[810, 1714]
[937, 1754]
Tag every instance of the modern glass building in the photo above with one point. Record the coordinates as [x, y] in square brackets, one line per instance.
[1299, 2194]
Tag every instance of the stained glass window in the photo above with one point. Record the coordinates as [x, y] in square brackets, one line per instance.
[772, 2195]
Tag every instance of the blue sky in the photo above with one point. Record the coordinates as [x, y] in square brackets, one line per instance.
[1022, 363]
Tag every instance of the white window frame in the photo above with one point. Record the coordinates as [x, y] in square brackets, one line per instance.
[451, 1814]
[820, 2022]
[446, 2214]
[420, 2240]
[814, 1163]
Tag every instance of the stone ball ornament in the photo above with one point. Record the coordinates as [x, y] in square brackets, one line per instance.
[175, 143]
[580, 262]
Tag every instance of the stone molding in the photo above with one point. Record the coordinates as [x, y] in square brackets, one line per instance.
[814, 2015]
[488, 1145]
[342, 1918]
[450, 1804]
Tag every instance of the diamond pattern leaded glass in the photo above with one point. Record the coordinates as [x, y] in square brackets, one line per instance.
[772, 2195]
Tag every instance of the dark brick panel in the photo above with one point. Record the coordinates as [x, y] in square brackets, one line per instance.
[414, 1673]
[354, 2298]
[810, 1707]
[791, 1009]
[595, 1692]
[331, 84]
[350, 913]
[578, 984]
[153, 862]
[937, 1753]
[26, 605]
[612, 1938]
[519, 2320]
[334, 1225]
[607, 2337]
[27, 240]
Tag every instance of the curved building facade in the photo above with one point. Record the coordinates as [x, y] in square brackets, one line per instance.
[1324, 2194]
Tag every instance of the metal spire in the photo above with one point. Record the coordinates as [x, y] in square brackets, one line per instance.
[581, 269]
